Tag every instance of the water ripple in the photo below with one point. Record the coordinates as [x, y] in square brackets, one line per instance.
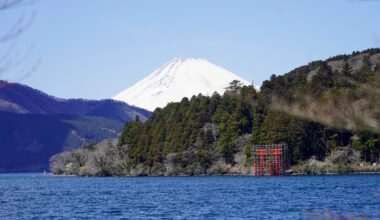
[33, 196]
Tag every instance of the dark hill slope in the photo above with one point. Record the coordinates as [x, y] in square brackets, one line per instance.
[34, 125]
[29, 140]
[22, 99]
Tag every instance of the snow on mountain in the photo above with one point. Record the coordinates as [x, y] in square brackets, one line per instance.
[177, 79]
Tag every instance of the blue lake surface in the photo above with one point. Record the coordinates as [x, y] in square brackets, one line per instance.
[34, 196]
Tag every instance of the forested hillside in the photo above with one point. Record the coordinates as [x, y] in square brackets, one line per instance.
[322, 111]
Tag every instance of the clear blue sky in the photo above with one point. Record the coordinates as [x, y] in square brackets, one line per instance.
[96, 48]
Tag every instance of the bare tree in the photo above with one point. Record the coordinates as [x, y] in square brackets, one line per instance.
[9, 4]
[9, 57]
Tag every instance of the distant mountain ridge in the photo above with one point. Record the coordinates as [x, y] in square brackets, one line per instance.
[34, 125]
[177, 79]
[21, 99]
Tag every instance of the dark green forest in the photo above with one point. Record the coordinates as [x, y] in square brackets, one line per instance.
[316, 109]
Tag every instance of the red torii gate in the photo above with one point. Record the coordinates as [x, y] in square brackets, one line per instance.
[270, 159]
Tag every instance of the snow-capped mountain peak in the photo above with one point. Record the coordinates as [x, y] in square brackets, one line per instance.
[180, 77]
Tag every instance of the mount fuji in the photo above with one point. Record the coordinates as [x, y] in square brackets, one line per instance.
[177, 79]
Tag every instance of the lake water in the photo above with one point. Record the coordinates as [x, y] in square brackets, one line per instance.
[34, 196]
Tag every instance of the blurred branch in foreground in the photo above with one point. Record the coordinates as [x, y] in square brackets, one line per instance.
[10, 58]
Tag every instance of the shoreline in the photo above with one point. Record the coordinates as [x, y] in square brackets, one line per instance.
[229, 175]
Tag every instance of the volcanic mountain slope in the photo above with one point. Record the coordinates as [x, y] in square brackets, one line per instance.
[34, 126]
[177, 79]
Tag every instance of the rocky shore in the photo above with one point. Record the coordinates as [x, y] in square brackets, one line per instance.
[102, 159]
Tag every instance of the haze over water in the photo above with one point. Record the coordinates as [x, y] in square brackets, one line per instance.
[34, 196]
